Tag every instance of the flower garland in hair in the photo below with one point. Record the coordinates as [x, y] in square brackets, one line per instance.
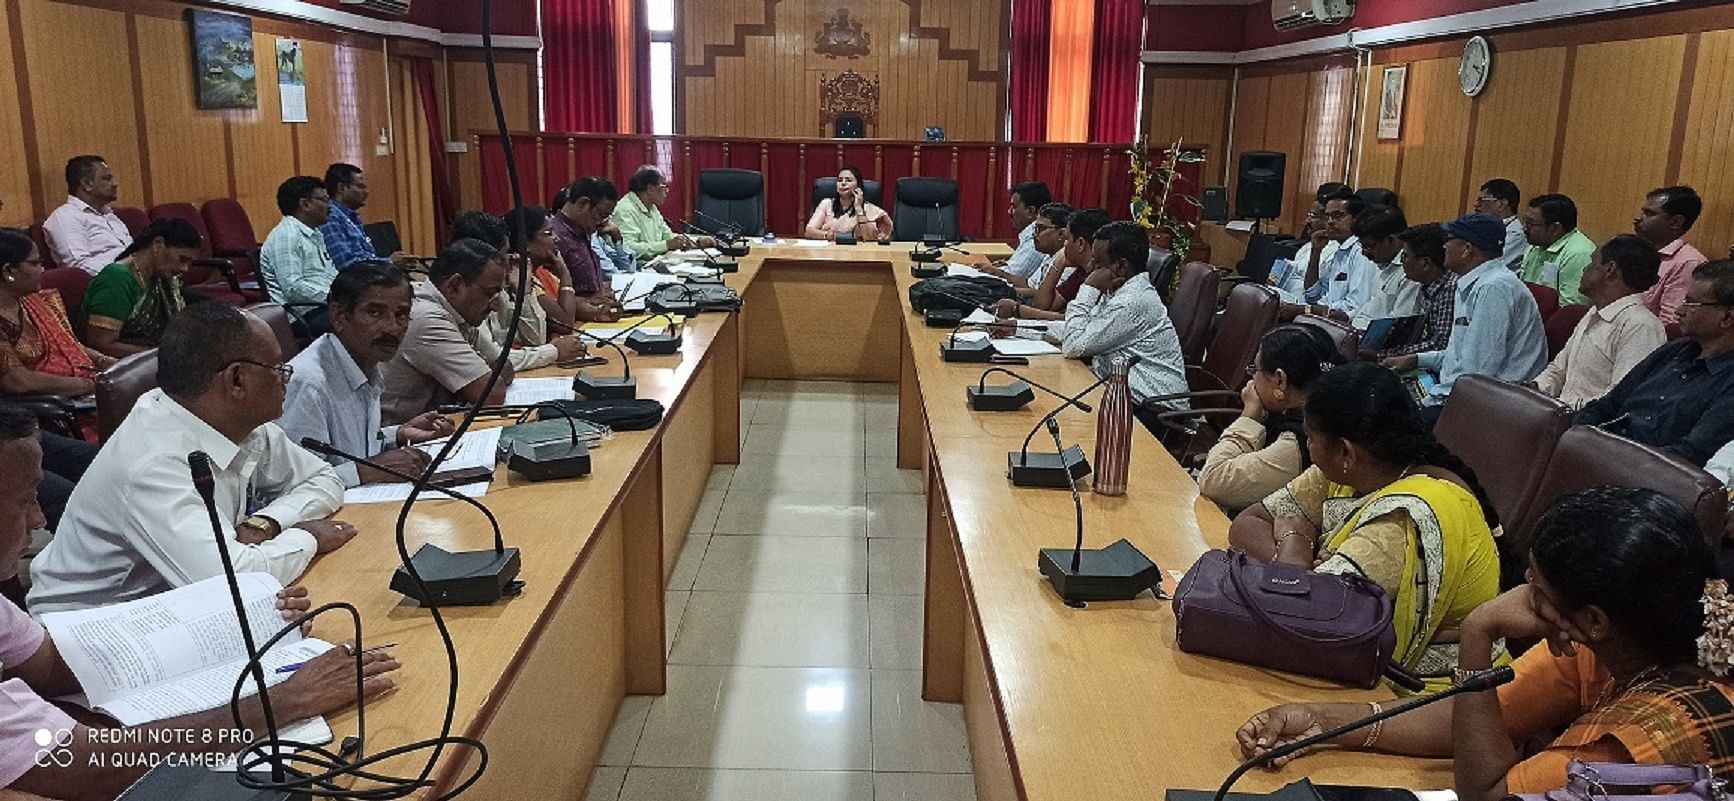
[1716, 646]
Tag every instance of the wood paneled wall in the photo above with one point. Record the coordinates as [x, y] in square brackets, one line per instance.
[1602, 110]
[114, 77]
[747, 67]
[1190, 103]
[467, 87]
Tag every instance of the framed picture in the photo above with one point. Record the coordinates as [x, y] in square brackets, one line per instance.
[225, 75]
[1391, 101]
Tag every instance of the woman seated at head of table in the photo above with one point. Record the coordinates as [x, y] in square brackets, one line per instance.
[1385, 501]
[130, 302]
[1639, 633]
[1266, 447]
[849, 212]
[39, 353]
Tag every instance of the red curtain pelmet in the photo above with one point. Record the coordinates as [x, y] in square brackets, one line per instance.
[1114, 70]
[578, 61]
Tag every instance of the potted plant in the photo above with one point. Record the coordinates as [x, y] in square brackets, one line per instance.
[1153, 189]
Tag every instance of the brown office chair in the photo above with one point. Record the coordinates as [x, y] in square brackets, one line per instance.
[1590, 457]
[1216, 382]
[277, 317]
[1506, 434]
[1348, 340]
[1194, 308]
[118, 388]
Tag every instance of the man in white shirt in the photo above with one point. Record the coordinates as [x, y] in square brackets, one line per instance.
[1118, 314]
[1339, 285]
[84, 232]
[1617, 333]
[136, 526]
[1500, 198]
[334, 394]
[1027, 199]
[1288, 278]
[1394, 295]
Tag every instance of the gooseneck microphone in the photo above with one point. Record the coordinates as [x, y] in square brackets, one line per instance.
[1071, 400]
[1055, 470]
[594, 387]
[326, 449]
[1481, 682]
[727, 230]
[1010, 397]
[204, 479]
[1077, 502]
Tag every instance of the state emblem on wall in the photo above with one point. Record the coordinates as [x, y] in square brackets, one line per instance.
[842, 37]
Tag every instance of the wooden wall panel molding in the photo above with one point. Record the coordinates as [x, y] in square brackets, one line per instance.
[737, 46]
[942, 37]
[1707, 155]
[20, 189]
[1616, 145]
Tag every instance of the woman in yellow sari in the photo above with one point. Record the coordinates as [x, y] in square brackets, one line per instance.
[1386, 501]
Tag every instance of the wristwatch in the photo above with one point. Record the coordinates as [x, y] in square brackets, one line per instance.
[271, 527]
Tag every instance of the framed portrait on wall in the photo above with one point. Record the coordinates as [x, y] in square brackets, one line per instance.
[1391, 101]
[223, 69]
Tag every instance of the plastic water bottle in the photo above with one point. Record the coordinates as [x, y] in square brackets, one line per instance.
[1114, 432]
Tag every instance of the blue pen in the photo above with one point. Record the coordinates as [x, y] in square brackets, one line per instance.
[298, 665]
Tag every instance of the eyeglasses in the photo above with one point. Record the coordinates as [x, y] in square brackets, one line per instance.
[1336, 215]
[285, 370]
[1700, 304]
[1041, 226]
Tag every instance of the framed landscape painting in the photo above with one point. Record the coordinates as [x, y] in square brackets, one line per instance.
[223, 68]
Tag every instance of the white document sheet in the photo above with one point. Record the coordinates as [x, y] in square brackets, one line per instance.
[981, 316]
[177, 652]
[476, 449]
[808, 243]
[1019, 346]
[525, 391]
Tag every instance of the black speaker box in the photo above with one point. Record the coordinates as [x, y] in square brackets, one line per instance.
[1258, 194]
[1216, 203]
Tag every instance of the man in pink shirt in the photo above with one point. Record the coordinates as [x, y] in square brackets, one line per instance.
[84, 232]
[44, 751]
[1667, 215]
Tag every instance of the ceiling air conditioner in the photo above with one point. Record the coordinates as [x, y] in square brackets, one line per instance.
[1288, 14]
[398, 7]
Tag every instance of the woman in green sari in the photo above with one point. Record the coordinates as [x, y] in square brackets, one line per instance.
[1386, 501]
[130, 302]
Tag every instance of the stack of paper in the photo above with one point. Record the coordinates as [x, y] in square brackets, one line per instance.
[528, 391]
[476, 449]
[177, 652]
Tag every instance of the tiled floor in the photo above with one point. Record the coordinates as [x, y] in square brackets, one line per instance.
[794, 624]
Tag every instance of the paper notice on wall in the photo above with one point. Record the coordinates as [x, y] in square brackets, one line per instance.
[291, 80]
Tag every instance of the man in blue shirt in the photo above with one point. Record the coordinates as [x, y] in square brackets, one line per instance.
[345, 239]
[1338, 284]
[1497, 331]
[1678, 399]
[1027, 199]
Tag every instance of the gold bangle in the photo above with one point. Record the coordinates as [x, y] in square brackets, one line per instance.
[1377, 728]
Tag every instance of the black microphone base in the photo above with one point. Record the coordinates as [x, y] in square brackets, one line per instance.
[721, 266]
[932, 271]
[199, 783]
[1007, 398]
[735, 250]
[978, 351]
[1055, 470]
[595, 387]
[653, 344]
[678, 308]
[465, 578]
[547, 461]
[845, 239]
[1118, 572]
[709, 280]
[942, 318]
[925, 256]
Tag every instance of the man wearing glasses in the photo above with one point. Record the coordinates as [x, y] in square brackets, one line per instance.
[293, 262]
[1500, 198]
[136, 526]
[1677, 399]
[589, 203]
[643, 230]
[1338, 286]
[1558, 251]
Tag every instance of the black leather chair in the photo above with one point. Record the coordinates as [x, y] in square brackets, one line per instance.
[1346, 338]
[826, 189]
[736, 198]
[925, 206]
[1375, 196]
[119, 387]
[1161, 265]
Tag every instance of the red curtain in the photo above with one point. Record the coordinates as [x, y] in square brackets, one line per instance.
[578, 60]
[1031, 31]
[641, 70]
[427, 85]
[1114, 70]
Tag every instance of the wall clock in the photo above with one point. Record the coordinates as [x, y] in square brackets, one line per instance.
[1476, 65]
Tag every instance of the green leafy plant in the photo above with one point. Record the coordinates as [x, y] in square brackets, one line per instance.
[1153, 187]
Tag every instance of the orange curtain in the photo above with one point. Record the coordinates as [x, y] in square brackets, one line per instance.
[1074, 28]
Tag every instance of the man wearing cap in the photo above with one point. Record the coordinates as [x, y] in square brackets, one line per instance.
[1497, 331]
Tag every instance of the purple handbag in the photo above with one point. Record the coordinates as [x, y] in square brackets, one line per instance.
[1285, 617]
[1594, 780]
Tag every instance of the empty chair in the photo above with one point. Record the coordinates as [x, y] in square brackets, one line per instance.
[731, 199]
[384, 237]
[826, 188]
[230, 229]
[1348, 340]
[1506, 434]
[1375, 196]
[1590, 457]
[119, 387]
[135, 218]
[1215, 383]
[925, 207]
[1194, 308]
[277, 318]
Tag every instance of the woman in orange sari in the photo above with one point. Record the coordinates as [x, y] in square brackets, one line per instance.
[39, 353]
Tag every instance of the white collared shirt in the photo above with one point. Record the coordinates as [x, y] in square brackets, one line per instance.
[1606, 344]
[135, 526]
[1129, 322]
[1346, 278]
[1394, 295]
[1516, 244]
[83, 236]
[332, 400]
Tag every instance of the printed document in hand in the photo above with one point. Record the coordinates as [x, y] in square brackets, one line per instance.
[476, 449]
[177, 652]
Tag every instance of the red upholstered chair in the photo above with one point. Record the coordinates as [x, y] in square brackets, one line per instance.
[232, 238]
[70, 283]
[1546, 299]
[211, 277]
[1559, 325]
[40, 237]
[134, 217]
